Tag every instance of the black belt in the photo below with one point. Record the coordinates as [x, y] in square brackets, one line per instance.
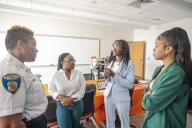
[33, 121]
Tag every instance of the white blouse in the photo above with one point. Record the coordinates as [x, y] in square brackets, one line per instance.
[151, 84]
[115, 66]
[59, 84]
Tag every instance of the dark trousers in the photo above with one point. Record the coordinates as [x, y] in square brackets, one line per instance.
[42, 123]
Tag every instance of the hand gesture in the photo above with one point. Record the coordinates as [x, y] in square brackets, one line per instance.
[67, 101]
[62, 99]
[108, 72]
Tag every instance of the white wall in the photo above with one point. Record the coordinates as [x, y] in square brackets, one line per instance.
[150, 35]
[106, 34]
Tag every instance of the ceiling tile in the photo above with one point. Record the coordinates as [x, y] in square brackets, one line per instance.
[117, 14]
[42, 7]
[122, 1]
[112, 18]
[72, 1]
[61, 10]
[160, 17]
[25, 4]
[126, 9]
[65, 4]
[168, 10]
[115, 19]
[101, 11]
[3, 2]
[78, 12]
[181, 14]
[153, 15]
[109, 18]
[20, 0]
[149, 20]
[44, 2]
[114, 15]
[39, 15]
[120, 15]
[140, 12]
[93, 15]
[88, 3]
[168, 18]
[111, 6]
[130, 17]
[154, 7]
[190, 1]
[139, 23]
[85, 8]
[56, 17]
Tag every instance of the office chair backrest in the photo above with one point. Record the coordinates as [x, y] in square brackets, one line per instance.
[90, 87]
[131, 93]
[51, 110]
[89, 76]
[88, 102]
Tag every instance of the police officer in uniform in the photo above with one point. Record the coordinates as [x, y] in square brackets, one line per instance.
[22, 97]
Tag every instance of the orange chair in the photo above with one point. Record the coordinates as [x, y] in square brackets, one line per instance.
[88, 110]
[51, 112]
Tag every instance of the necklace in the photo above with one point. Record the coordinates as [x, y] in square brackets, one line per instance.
[117, 63]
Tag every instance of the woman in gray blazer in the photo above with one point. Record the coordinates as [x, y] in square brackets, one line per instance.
[119, 75]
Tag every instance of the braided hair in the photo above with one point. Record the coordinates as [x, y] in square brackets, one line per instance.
[60, 59]
[125, 52]
[16, 33]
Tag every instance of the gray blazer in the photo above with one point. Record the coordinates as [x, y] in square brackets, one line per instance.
[120, 83]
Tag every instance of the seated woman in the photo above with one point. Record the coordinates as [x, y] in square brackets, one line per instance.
[67, 86]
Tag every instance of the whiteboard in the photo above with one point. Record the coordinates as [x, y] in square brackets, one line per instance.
[50, 47]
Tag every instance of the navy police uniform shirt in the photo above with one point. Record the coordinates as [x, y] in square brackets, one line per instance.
[20, 90]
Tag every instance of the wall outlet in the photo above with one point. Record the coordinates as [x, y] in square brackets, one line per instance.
[148, 58]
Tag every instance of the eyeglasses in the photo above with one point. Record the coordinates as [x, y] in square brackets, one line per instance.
[71, 61]
[116, 47]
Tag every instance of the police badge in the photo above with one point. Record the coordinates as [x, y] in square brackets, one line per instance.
[11, 82]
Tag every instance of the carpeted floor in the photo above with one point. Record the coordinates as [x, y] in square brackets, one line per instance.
[136, 120]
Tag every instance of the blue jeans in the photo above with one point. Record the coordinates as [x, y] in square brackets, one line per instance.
[69, 116]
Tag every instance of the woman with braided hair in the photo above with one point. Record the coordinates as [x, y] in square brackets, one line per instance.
[119, 75]
[67, 86]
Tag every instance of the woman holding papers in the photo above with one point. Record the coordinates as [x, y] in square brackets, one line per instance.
[67, 86]
[119, 75]
[166, 98]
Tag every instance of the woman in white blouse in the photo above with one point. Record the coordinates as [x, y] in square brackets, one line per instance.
[67, 86]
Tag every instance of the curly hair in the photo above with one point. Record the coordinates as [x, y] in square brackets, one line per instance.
[16, 33]
[60, 59]
[125, 52]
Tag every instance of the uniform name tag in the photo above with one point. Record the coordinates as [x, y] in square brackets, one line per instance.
[11, 82]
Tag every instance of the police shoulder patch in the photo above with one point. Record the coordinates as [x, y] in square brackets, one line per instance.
[11, 82]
